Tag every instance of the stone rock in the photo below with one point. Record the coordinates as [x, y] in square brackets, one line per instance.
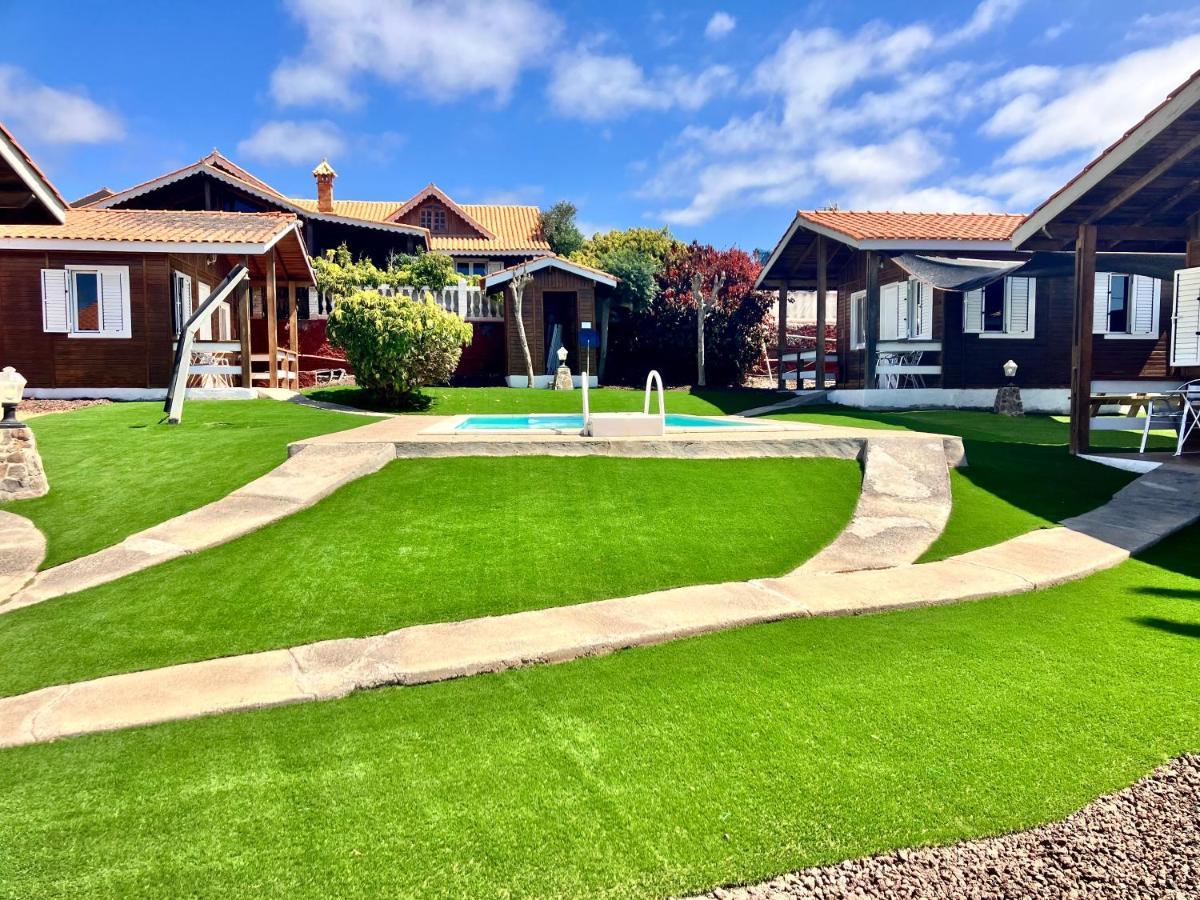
[21, 472]
[562, 379]
[1008, 401]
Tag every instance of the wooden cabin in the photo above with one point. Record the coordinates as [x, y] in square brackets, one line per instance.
[92, 299]
[1141, 195]
[558, 309]
[930, 307]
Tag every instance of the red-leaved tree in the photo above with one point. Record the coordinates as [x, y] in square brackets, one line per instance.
[663, 336]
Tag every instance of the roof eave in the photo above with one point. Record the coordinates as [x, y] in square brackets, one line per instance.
[1108, 161]
[41, 188]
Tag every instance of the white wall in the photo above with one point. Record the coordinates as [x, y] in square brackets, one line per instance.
[137, 393]
[1036, 400]
[545, 381]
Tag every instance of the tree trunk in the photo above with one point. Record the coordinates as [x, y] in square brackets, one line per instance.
[604, 311]
[698, 295]
[520, 280]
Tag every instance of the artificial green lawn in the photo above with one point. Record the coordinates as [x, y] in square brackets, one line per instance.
[117, 469]
[442, 540]
[658, 771]
[1019, 475]
[455, 401]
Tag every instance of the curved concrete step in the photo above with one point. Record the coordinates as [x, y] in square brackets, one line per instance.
[22, 549]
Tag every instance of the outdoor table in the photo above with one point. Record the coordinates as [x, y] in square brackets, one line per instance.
[1136, 402]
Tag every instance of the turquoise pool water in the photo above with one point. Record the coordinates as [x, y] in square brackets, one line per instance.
[572, 422]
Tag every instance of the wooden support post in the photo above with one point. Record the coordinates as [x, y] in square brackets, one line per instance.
[822, 288]
[1193, 242]
[783, 301]
[244, 327]
[1081, 347]
[272, 323]
[293, 335]
[871, 315]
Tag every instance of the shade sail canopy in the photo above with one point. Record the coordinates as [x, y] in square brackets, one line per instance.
[949, 273]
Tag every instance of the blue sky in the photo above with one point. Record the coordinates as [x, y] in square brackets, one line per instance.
[716, 119]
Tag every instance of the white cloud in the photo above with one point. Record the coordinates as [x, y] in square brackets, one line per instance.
[1021, 188]
[595, 86]
[37, 112]
[752, 182]
[1099, 103]
[988, 15]
[1158, 25]
[719, 26]
[442, 51]
[883, 168]
[293, 142]
[928, 199]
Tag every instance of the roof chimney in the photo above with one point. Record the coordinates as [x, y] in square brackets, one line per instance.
[324, 174]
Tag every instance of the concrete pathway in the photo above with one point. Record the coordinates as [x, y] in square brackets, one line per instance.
[317, 467]
[428, 653]
[22, 549]
[903, 507]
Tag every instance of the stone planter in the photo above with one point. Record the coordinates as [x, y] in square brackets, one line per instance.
[22, 475]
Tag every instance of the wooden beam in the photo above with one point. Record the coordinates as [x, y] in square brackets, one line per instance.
[782, 338]
[871, 310]
[1193, 242]
[272, 322]
[822, 289]
[293, 335]
[244, 326]
[1144, 181]
[1081, 347]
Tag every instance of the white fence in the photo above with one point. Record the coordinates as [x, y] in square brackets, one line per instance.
[468, 302]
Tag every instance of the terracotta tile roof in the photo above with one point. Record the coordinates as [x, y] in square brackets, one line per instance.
[515, 228]
[370, 210]
[883, 226]
[157, 226]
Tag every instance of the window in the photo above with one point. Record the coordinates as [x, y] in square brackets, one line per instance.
[181, 300]
[905, 311]
[858, 324]
[1118, 304]
[471, 267]
[1126, 306]
[1003, 309]
[433, 217]
[86, 301]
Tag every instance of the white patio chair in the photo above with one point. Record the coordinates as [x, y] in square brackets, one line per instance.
[887, 380]
[913, 358]
[1179, 410]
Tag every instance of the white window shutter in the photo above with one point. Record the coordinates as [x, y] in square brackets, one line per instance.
[1100, 301]
[902, 309]
[202, 292]
[1146, 299]
[1019, 305]
[856, 318]
[55, 302]
[114, 301]
[1185, 323]
[921, 303]
[889, 303]
[973, 311]
[494, 265]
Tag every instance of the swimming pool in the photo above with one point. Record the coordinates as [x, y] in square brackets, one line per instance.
[569, 422]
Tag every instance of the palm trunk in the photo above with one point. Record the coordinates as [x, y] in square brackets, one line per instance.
[700, 340]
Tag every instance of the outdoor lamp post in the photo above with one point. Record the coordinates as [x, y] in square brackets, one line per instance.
[1010, 370]
[562, 356]
[12, 389]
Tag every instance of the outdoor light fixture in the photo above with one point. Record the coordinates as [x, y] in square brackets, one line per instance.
[12, 389]
[1010, 370]
[562, 356]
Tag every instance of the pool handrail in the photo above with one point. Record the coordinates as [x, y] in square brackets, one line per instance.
[587, 413]
[654, 377]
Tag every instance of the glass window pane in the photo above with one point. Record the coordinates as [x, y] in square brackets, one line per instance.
[1118, 304]
[463, 268]
[993, 306]
[87, 301]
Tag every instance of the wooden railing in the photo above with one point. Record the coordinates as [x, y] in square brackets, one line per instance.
[287, 369]
[215, 364]
[907, 364]
[464, 300]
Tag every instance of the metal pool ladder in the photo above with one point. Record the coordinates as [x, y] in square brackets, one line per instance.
[655, 378]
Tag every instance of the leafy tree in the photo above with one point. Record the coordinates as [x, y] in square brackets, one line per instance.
[433, 271]
[636, 256]
[397, 344]
[340, 275]
[521, 279]
[559, 228]
[664, 335]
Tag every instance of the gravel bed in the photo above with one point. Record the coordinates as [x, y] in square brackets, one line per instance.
[1142, 842]
[42, 407]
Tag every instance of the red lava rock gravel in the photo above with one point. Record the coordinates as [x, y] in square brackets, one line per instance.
[1142, 842]
[42, 407]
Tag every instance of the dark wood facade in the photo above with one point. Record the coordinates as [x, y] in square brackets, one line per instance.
[580, 294]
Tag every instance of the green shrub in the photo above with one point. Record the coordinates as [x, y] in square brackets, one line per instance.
[433, 271]
[397, 345]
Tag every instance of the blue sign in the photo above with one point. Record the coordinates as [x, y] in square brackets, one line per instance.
[589, 337]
